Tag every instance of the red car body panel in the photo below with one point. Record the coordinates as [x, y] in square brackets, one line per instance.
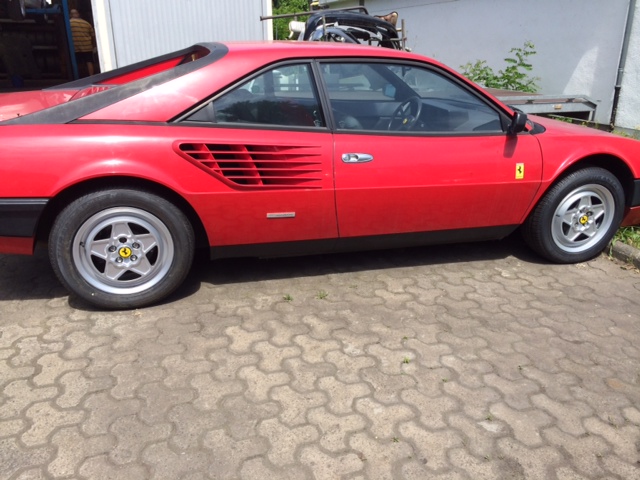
[564, 143]
[16, 104]
[416, 183]
[230, 215]
[17, 245]
[470, 190]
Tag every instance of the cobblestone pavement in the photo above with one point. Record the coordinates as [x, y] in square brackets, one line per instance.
[467, 362]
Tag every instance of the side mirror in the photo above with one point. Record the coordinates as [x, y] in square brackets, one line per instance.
[518, 122]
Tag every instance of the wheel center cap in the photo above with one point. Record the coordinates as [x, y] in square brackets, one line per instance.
[583, 219]
[124, 252]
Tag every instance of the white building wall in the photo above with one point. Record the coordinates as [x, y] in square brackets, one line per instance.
[628, 115]
[578, 42]
[128, 31]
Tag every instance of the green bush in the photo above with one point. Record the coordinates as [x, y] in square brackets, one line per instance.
[281, 7]
[514, 77]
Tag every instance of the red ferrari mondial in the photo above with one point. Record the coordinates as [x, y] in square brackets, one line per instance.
[285, 148]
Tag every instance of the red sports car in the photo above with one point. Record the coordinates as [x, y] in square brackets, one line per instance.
[287, 148]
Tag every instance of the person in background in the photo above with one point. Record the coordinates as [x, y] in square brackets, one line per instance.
[84, 40]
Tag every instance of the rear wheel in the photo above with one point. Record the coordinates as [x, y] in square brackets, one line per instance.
[577, 217]
[121, 248]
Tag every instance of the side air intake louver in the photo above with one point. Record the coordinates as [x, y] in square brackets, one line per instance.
[258, 166]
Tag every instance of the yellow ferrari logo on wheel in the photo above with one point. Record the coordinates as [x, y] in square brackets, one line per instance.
[125, 252]
[584, 219]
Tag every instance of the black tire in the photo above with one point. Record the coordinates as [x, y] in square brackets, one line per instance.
[577, 218]
[16, 9]
[121, 249]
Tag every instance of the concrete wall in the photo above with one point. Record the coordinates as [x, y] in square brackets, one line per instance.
[578, 42]
[128, 31]
[628, 115]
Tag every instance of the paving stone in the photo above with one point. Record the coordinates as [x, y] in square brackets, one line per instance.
[516, 393]
[20, 394]
[80, 342]
[75, 387]
[99, 468]
[259, 468]
[242, 340]
[285, 441]
[58, 327]
[479, 436]
[178, 371]
[44, 419]
[228, 364]
[104, 360]
[569, 416]
[244, 416]
[51, 365]
[625, 439]
[282, 331]
[439, 363]
[383, 419]
[327, 467]
[535, 464]
[32, 474]
[431, 447]
[348, 366]
[335, 429]
[11, 428]
[170, 465]
[260, 384]
[131, 376]
[485, 468]
[383, 458]
[295, 405]
[8, 373]
[273, 356]
[470, 372]
[72, 449]
[433, 411]
[103, 410]
[30, 349]
[228, 454]
[475, 402]
[386, 388]
[526, 425]
[159, 400]
[342, 396]
[304, 375]
[14, 457]
[132, 435]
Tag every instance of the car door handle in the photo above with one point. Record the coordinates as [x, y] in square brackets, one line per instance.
[356, 157]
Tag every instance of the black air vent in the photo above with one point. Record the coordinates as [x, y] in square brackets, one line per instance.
[258, 166]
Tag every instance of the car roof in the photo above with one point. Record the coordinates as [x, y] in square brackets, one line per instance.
[320, 49]
[236, 59]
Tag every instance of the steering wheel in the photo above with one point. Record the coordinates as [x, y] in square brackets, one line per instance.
[406, 115]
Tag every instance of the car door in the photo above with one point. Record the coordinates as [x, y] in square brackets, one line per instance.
[418, 151]
[269, 154]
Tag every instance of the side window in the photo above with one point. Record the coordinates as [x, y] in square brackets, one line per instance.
[284, 96]
[394, 97]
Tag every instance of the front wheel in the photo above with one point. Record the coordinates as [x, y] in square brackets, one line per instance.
[577, 218]
[121, 248]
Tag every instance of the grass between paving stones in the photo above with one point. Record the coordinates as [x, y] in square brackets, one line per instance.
[628, 235]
